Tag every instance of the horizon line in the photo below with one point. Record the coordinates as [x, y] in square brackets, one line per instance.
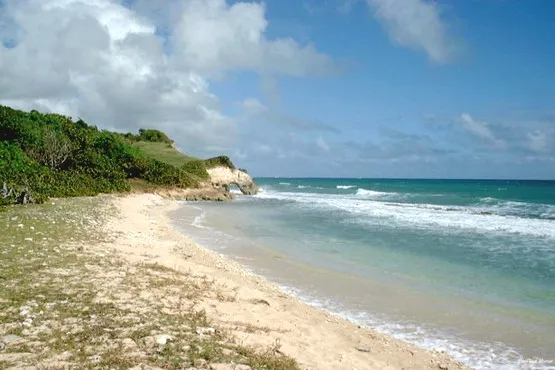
[402, 178]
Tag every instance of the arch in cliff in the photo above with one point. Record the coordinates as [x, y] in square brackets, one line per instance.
[223, 177]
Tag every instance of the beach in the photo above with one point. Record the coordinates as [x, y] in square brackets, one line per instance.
[315, 338]
[144, 275]
[463, 266]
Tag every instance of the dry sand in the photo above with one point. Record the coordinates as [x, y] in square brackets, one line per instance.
[258, 313]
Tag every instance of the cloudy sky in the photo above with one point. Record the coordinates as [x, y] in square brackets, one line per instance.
[369, 88]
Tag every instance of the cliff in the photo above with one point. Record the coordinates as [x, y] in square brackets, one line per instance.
[223, 177]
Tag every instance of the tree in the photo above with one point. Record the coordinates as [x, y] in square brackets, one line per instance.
[56, 149]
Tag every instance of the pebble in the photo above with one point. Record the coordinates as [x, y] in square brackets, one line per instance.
[363, 349]
[28, 239]
[205, 331]
[163, 339]
[128, 343]
[11, 339]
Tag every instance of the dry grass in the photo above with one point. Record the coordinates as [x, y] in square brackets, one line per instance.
[74, 303]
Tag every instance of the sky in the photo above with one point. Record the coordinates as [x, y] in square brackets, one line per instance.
[311, 88]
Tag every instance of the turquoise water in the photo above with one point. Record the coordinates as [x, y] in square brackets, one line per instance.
[465, 266]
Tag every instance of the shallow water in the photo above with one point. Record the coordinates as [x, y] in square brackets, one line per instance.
[463, 266]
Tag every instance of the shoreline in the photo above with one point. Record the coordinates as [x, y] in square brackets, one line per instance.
[315, 338]
[108, 282]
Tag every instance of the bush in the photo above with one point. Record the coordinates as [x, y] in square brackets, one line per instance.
[53, 156]
[149, 135]
[219, 161]
[197, 168]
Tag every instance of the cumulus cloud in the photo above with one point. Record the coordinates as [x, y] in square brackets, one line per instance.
[118, 68]
[417, 24]
[213, 37]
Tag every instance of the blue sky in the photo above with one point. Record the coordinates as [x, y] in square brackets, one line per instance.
[354, 88]
[502, 75]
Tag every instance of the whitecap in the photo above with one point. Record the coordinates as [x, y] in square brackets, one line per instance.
[371, 193]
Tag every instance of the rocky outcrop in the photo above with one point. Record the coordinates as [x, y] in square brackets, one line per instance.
[207, 193]
[223, 177]
[216, 189]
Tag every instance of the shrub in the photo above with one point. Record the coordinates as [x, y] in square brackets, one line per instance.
[219, 161]
[197, 168]
[53, 156]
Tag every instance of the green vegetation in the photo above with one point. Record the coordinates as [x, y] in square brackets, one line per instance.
[49, 155]
[149, 135]
[163, 152]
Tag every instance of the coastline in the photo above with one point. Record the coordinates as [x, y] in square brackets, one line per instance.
[107, 282]
[315, 338]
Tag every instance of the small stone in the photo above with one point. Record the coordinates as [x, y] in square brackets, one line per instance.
[128, 343]
[206, 331]
[199, 362]
[28, 239]
[8, 339]
[20, 225]
[230, 366]
[443, 366]
[163, 339]
[363, 349]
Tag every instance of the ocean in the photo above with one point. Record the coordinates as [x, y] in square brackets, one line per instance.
[463, 266]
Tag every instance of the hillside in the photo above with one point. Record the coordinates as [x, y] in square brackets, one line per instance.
[50, 155]
[163, 152]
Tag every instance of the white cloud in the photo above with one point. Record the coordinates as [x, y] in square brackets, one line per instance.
[479, 129]
[322, 144]
[262, 148]
[537, 141]
[214, 37]
[416, 24]
[253, 107]
[108, 64]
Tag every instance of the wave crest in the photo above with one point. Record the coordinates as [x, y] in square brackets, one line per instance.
[371, 193]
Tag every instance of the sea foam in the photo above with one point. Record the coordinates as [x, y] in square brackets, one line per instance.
[372, 207]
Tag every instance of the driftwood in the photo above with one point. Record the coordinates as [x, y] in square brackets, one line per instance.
[21, 197]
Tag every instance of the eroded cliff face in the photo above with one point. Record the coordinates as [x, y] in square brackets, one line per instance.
[222, 177]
